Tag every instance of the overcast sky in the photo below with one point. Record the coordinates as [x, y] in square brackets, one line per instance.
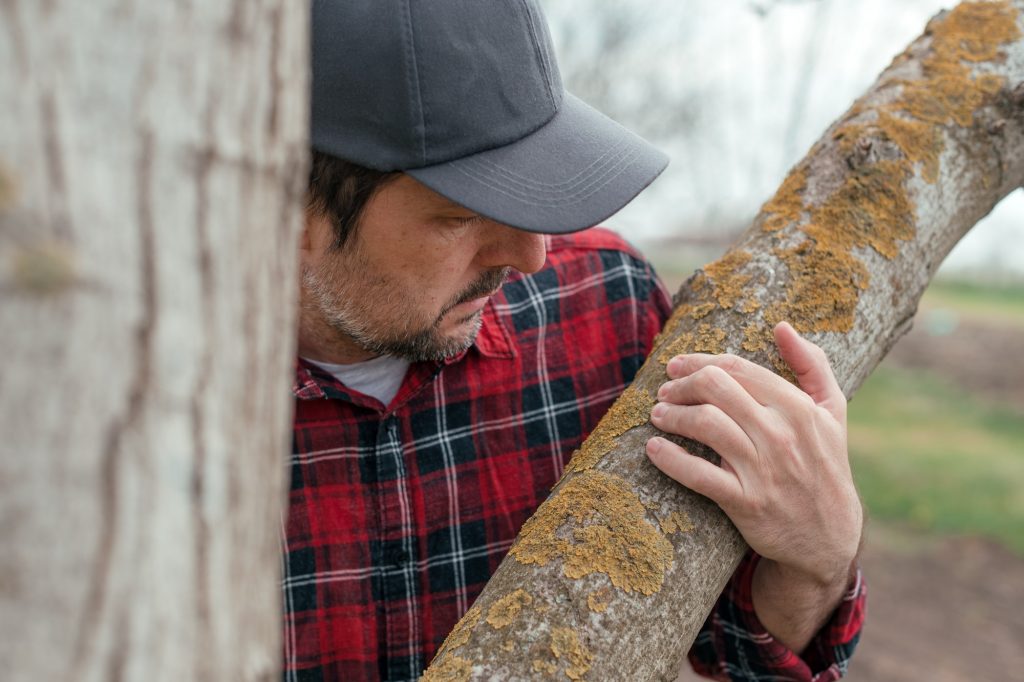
[736, 91]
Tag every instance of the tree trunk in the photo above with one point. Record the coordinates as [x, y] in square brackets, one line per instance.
[152, 163]
[615, 573]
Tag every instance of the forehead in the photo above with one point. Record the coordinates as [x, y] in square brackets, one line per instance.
[407, 194]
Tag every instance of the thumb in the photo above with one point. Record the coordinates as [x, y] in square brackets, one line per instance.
[812, 369]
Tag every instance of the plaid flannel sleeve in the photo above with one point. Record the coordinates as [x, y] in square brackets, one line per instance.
[733, 645]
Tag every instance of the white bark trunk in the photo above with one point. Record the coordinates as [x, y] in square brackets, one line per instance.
[152, 163]
[613, 576]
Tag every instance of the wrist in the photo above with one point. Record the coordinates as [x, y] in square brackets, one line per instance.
[819, 579]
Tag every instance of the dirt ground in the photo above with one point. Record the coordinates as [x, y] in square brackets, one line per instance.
[951, 609]
[946, 609]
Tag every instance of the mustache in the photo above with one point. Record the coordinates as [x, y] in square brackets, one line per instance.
[489, 282]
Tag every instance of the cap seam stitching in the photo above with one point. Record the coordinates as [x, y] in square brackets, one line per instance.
[538, 54]
[413, 79]
[581, 177]
[557, 190]
[593, 187]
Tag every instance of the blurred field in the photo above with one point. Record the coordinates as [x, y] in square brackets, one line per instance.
[937, 448]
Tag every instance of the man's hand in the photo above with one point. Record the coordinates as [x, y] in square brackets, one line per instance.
[784, 479]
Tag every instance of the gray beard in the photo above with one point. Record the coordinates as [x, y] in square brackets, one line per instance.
[422, 345]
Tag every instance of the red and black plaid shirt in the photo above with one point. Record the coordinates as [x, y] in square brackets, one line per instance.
[400, 513]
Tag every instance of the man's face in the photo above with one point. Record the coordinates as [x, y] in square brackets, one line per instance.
[412, 281]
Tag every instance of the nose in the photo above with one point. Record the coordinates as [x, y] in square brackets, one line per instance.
[512, 247]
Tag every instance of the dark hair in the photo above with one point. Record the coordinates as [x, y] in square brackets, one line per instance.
[339, 191]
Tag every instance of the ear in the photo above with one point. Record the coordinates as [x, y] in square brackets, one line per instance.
[306, 240]
[316, 237]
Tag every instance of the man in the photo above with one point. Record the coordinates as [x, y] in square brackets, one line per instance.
[460, 335]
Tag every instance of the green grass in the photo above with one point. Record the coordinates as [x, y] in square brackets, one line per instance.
[1003, 301]
[926, 454]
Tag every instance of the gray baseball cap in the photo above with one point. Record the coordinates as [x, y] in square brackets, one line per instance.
[466, 97]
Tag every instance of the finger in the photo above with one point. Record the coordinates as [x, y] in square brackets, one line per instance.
[695, 473]
[763, 385]
[712, 385]
[709, 425]
[812, 369]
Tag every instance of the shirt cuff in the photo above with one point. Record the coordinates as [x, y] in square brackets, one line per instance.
[733, 645]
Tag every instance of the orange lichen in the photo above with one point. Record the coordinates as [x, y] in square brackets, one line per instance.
[873, 208]
[677, 346]
[785, 207]
[706, 339]
[507, 646]
[756, 338]
[599, 600]
[595, 523]
[451, 669]
[504, 611]
[971, 32]
[919, 142]
[823, 290]
[545, 667]
[729, 283]
[461, 632]
[676, 522]
[565, 643]
[44, 268]
[702, 310]
[632, 409]
[751, 305]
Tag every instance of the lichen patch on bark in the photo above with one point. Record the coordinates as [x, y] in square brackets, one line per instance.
[599, 599]
[461, 632]
[595, 523]
[545, 667]
[632, 409]
[948, 93]
[873, 208]
[729, 283]
[44, 269]
[451, 669]
[676, 522]
[565, 644]
[785, 207]
[504, 611]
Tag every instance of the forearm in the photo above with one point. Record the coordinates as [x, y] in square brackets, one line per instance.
[793, 606]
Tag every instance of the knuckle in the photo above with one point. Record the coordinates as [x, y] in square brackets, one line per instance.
[704, 419]
[710, 378]
[781, 437]
[730, 363]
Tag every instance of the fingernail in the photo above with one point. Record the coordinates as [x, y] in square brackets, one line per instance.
[659, 410]
[653, 445]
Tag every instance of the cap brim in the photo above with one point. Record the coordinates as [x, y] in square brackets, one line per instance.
[572, 173]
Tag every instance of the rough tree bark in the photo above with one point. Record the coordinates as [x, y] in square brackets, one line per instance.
[152, 162]
[614, 574]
